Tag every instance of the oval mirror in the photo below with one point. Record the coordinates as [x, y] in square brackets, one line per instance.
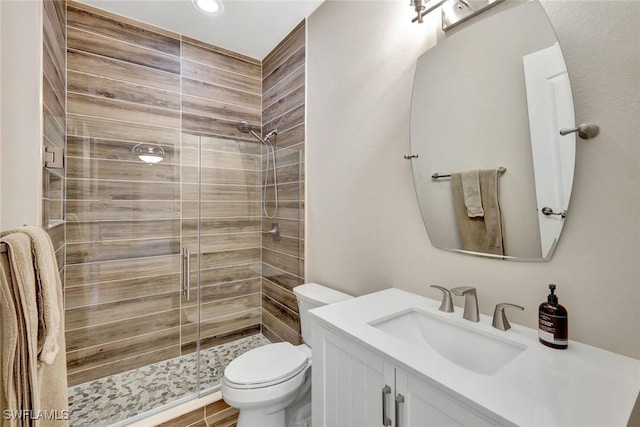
[493, 175]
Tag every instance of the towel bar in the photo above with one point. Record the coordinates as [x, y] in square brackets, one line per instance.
[501, 171]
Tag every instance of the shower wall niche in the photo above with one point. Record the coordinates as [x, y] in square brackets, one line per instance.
[127, 221]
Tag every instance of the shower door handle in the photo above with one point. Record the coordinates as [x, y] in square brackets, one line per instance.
[186, 273]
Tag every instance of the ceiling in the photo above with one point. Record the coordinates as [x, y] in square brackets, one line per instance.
[249, 27]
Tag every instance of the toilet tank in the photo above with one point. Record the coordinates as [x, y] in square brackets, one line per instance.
[312, 295]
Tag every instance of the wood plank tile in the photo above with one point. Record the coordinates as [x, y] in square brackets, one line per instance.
[288, 209]
[221, 93]
[217, 292]
[223, 242]
[113, 149]
[121, 190]
[118, 230]
[55, 105]
[222, 324]
[219, 159]
[122, 365]
[53, 128]
[115, 170]
[229, 274]
[208, 73]
[212, 143]
[224, 192]
[287, 121]
[282, 87]
[196, 51]
[220, 308]
[280, 294]
[117, 27]
[120, 70]
[291, 137]
[212, 126]
[219, 411]
[219, 226]
[229, 258]
[285, 245]
[90, 210]
[280, 277]
[221, 209]
[280, 329]
[220, 339]
[93, 357]
[219, 176]
[270, 335]
[220, 109]
[282, 313]
[281, 261]
[288, 227]
[121, 249]
[118, 90]
[106, 108]
[292, 63]
[57, 236]
[221, 50]
[186, 419]
[286, 192]
[82, 274]
[289, 102]
[96, 335]
[53, 74]
[85, 317]
[105, 292]
[290, 44]
[111, 48]
[53, 35]
[124, 131]
[288, 156]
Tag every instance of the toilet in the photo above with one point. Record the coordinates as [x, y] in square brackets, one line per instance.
[265, 382]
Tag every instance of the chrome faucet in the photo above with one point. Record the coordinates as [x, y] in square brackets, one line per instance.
[470, 302]
[500, 319]
[447, 304]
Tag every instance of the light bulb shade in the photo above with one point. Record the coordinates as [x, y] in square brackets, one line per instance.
[149, 153]
[210, 7]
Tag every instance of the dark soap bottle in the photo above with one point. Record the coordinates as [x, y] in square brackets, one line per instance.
[553, 327]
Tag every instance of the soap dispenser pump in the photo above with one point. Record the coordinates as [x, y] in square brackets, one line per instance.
[553, 327]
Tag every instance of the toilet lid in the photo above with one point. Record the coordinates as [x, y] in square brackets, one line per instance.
[266, 365]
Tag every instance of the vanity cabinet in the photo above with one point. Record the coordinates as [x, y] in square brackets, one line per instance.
[357, 387]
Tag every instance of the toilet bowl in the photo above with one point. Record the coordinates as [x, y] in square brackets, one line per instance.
[265, 381]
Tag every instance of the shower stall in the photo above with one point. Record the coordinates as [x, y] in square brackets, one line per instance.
[172, 267]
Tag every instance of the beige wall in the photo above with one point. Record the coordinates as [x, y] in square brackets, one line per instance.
[364, 230]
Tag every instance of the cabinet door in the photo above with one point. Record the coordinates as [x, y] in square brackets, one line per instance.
[421, 405]
[348, 383]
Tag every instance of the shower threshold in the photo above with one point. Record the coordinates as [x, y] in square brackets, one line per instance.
[113, 399]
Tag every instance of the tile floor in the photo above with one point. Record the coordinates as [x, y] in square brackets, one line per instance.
[116, 398]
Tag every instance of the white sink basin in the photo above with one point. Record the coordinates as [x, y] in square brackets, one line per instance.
[466, 346]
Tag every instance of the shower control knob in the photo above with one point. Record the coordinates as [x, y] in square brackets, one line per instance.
[548, 211]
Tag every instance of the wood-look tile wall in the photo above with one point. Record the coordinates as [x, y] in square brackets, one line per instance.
[127, 222]
[54, 117]
[283, 106]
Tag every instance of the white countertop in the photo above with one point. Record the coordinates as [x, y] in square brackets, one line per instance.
[580, 386]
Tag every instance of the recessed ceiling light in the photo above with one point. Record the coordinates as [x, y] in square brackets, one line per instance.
[210, 7]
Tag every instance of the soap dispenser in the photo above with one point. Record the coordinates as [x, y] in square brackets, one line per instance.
[553, 327]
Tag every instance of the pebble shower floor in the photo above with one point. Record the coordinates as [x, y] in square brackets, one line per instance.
[108, 400]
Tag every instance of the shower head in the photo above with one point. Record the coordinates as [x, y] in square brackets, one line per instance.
[244, 126]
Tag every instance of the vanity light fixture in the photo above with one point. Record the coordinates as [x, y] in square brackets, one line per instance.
[149, 153]
[210, 7]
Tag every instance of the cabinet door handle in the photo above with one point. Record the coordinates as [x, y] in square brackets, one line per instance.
[386, 421]
[399, 400]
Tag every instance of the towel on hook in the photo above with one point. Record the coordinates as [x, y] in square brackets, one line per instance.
[472, 194]
[480, 234]
[48, 284]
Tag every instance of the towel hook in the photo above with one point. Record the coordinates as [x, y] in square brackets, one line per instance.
[585, 131]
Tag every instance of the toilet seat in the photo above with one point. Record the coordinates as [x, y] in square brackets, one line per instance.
[266, 366]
